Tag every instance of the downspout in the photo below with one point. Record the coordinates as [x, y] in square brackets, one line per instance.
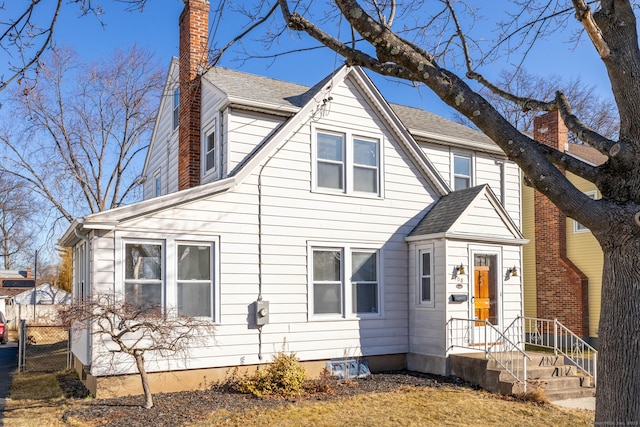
[325, 104]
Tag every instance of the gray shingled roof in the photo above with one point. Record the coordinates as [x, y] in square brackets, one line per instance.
[446, 211]
[251, 87]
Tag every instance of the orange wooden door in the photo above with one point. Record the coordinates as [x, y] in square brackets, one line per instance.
[481, 301]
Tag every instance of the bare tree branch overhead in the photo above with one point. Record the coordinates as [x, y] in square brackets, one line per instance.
[448, 58]
[28, 29]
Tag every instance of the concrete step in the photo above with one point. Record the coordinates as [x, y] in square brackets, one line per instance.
[570, 393]
[553, 384]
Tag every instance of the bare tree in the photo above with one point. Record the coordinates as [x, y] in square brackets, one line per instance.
[137, 330]
[85, 130]
[27, 31]
[595, 111]
[16, 233]
[430, 47]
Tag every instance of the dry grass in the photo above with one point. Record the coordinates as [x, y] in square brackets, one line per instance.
[36, 399]
[411, 407]
[408, 406]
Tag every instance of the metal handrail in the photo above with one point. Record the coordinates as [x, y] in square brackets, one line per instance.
[504, 357]
[553, 334]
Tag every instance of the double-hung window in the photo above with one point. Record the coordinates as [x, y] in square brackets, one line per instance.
[327, 281]
[347, 162]
[425, 277]
[195, 279]
[331, 160]
[461, 172]
[143, 273]
[364, 282]
[176, 109]
[210, 151]
[345, 279]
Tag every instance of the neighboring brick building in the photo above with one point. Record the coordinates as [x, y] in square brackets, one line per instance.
[563, 262]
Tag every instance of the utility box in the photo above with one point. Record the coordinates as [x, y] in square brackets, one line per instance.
[262, 312]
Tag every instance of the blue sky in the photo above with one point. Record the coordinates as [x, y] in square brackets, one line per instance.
[157, 30]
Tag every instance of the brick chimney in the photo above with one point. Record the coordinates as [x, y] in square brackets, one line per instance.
[561, 288]
[194, 49]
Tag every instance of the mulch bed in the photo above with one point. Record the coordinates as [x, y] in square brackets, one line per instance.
[177, 409]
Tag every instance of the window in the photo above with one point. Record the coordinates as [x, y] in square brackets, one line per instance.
[425, 277]
[347, 163]
[577, 227]
[176, 109]
[331, 161]
[210, 151]
[332, 278]
[461, 172]
[157, 180]
[327, 283]
[364, 282]
[194, 280]
[143, 275]
[365, 165]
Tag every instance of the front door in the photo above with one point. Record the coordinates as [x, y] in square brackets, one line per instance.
[485, 287]
[485, 296]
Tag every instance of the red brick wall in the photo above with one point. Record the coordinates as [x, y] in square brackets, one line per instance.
[194, 49]
[561, 288]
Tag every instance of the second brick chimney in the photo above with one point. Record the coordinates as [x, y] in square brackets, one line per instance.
[194, 49]
[561, 288]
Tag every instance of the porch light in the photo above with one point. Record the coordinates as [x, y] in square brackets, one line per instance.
[513, 271]
[458, 269]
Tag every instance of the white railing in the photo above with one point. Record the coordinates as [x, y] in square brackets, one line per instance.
[482, 335]
[554, 335]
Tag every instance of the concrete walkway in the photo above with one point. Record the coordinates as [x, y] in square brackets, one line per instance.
[580, 403]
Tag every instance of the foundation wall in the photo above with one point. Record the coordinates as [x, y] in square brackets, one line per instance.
[199, 379]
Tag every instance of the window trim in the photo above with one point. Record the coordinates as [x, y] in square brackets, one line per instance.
[346, 251]
[577, 227]
[348, 163]
[420, 250]
[169, 242]
[471, 158]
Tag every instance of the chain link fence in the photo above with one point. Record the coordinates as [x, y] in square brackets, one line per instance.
[43, 348]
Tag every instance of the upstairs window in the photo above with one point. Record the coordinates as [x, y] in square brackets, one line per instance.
[577, 227]
[157, 182]
[176, 105]
[331, 161]
[461, 172]
[347, 163]
[365, 165]
[210, 151]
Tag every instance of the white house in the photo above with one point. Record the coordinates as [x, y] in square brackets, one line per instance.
[42, 295]
[326, 205]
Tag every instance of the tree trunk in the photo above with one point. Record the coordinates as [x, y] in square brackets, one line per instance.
[618, 388]
[148, 398]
